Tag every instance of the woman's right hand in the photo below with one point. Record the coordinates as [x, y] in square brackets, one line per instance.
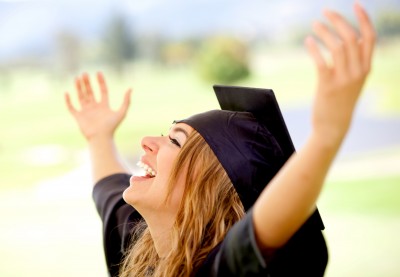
[95, 117]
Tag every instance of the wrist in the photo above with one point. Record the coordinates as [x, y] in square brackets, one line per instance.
[93, 131]
[100, 138]
[327, 141]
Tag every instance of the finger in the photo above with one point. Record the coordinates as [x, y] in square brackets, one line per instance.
[316, 55]
[81, 94]
[334, 45]
[70, 107]
[103, 87]
[125, 104]
[88, 88]
[350, 39]
[367, 34]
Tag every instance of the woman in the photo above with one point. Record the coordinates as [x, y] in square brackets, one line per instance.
[197, 196]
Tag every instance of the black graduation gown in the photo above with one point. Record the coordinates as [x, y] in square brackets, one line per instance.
[237, 255]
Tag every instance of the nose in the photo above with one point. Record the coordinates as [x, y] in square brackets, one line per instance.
[150, 144]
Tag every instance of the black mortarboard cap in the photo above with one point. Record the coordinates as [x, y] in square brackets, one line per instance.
[248, 136]
[263, 105]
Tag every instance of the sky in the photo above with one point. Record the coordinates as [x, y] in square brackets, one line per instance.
[30, 26]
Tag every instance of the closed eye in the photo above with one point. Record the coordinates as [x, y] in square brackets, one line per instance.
[174, 141]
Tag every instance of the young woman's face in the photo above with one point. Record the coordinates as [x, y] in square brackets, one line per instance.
[148, 193]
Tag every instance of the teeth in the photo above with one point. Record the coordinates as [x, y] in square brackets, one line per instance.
[147, 168]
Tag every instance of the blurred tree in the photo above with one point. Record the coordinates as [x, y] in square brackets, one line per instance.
[118, 43]
[149, 46]
[223, 59]
[388, 24]
[178, 53]
[68, 52]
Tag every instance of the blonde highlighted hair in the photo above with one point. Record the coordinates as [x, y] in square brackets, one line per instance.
[209, 208]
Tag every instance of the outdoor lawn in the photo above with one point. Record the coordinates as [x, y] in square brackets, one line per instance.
[49, 226]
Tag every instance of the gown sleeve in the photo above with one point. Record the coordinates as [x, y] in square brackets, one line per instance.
[118, 217]
[305, 254]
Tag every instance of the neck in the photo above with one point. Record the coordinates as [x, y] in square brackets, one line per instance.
[161, 234]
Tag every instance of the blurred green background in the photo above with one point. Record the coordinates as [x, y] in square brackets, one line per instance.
[49, 226]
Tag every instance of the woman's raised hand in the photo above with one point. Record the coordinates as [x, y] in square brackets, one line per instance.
[340, 80]
[95, 117]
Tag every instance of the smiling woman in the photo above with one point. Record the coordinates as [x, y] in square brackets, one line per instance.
[223, 193]
[148, 194]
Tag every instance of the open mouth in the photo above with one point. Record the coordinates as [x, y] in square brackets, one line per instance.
[149, 172]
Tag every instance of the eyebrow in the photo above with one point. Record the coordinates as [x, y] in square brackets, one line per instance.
[179, 129]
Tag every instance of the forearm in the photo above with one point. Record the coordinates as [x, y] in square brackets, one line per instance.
[290, 197]
[104, 158]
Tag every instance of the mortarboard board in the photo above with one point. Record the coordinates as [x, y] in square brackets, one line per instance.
[249, 137]
[263, 105]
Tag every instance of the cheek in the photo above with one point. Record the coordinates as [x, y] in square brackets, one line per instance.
[178, 191]
[165, 162]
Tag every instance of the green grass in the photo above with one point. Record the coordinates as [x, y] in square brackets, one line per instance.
[375, 197]
[362, 222]
[33, 114]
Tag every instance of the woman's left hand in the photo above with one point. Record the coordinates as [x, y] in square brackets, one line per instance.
[340, 81]
[289, 199]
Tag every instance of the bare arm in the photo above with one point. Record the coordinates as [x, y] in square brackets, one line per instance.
[98, 122]
[290, 197]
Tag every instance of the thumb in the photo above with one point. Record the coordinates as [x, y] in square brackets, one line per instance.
[126, 102]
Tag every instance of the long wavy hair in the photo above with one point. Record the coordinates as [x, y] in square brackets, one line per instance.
[209, 208]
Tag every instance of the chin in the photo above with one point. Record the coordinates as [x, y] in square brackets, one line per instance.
[125, 196]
